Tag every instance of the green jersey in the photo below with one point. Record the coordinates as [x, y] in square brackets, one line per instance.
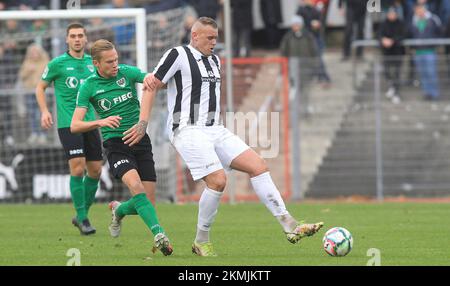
[68, 73]
[113, 96]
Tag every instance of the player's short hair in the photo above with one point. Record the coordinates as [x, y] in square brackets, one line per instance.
[75, 25]
[208, 22]
[100, 46]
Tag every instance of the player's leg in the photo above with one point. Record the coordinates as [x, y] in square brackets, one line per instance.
[197, 150]
[146, 210]
[234, 153]
[77, 166]
[81, 221]
[74, 151]
[251, 163]
[208, 206]
[94, 162]
[90, 182]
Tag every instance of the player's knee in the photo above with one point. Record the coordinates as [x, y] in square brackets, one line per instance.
[216, 182]
[77, 171]
[77, 166]
[136, 187]
[95, 173]
[259, 168]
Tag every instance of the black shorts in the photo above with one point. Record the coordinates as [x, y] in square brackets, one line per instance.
[88, 144]
[123, 158]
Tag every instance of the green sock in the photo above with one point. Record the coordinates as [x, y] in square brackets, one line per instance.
[90, 188]
[147, 212]
[78, 199]
[126, 208]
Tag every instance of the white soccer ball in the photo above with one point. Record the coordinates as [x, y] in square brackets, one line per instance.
[337, 241]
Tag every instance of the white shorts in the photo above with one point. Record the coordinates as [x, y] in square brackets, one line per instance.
[206, 149]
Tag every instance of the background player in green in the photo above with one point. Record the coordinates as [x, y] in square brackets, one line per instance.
[83, 151]
[112, 92]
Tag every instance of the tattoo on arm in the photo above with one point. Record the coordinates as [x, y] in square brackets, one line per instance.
[141, 127]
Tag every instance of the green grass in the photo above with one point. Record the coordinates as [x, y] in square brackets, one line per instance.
[243, 234]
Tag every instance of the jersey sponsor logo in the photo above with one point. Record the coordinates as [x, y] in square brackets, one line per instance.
[75, 151]
[120, 162]
[211, 74]
[72, 82]
[121, 82]
[123, 97]
[99, 91]
[45, 73]
[210, 79]
[70, 68]
[90, 68]
[104, 104]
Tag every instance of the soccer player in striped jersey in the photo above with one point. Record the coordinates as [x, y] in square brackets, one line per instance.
[112, 92]
[192, 75]
[84, 151]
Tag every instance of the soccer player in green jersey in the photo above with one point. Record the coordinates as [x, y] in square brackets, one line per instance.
[84, 151]
[112, 92]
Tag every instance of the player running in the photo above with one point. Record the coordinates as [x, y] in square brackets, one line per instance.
[112, 92]
[83, 151]
[192, 75]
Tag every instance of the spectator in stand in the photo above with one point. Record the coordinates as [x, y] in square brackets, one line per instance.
[312, 17]
[355, 14]
[392, 33]
[242, 27]
[6, 57]
[426, 25]
[36, 59]
[271, 16]
[189, 21]
[154, 6]
[440, 8]
[206, 8]
[300, 47]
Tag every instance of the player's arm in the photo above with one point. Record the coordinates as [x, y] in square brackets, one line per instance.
[136, 133]
[78, 125]
[46, 116]
[151, 82]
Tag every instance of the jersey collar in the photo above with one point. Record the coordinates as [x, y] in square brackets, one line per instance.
[197, 54]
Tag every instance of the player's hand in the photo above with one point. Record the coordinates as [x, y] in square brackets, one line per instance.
[46, 120]
[135, 134]
[111, 122]
[149, 82]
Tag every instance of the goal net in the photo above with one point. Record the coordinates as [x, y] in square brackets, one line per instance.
[33, 167]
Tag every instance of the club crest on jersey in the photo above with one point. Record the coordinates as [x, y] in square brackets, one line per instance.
[211, 74]
[90, 68]
[121, 82]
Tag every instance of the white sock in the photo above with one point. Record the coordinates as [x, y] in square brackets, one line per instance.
[207, 210]
[271, 198]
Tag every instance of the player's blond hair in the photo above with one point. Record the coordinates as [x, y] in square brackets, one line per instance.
[206, 21]
[100, 46]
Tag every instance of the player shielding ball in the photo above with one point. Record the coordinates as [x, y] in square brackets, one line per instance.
[84, 151]
[192, 75]
[112, 91]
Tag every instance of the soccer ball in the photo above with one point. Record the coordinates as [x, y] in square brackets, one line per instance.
[337, 241]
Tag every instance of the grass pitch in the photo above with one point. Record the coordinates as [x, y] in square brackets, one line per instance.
[243, 234]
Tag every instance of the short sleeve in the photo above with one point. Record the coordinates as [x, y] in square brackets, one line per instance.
[134, 73]
[167, 66]
[50, 72]
[83, 96]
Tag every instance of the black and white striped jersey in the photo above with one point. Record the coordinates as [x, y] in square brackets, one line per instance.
[193, 87]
